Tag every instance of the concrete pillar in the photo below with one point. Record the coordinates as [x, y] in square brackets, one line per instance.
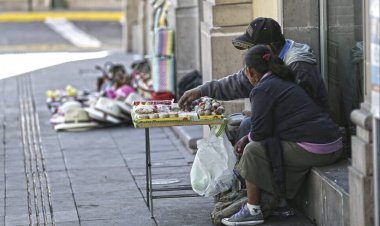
[139, 32]
[223, 20]
[148, 28]
[361, 171]
[134, 29]
[130, 9]
[40, 5]
[184, 19]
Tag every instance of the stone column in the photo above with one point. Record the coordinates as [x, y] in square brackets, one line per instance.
[149, 10]
[139, 32]
[361, 179]
[39, 5]
[184, 19]
[134, 30]
[361, 170]
[130, 8]
[134, 34]
[223, 20]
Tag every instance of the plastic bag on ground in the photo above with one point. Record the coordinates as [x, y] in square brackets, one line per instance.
[212, 170]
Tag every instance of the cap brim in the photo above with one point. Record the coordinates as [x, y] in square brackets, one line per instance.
[242, 42]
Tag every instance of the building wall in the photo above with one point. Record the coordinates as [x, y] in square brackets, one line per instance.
[265, 8]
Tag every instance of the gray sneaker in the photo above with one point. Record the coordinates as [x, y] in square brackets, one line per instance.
[244, 217]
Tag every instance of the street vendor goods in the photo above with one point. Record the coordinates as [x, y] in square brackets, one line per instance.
[168, 113]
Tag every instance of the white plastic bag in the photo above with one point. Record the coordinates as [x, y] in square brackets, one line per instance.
[212, 170]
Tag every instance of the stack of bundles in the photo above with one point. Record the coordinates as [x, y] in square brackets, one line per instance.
[163, 74]
[164, 42]
[163, 68]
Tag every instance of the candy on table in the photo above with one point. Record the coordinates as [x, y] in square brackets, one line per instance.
[162, 108]
[154, 116]
[207, 106]
[144, 109]
[164, 115]
[142, 116]
[173, 114]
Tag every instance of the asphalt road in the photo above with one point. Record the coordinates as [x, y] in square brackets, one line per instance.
[41, 37]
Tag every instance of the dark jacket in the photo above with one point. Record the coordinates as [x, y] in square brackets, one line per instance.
[283, 109]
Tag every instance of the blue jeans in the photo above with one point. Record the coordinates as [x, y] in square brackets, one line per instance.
[244, 128]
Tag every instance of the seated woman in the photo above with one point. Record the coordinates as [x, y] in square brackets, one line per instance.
[289, 134]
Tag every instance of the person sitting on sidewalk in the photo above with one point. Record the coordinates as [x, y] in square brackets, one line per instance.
[289, 134]
[297, 56]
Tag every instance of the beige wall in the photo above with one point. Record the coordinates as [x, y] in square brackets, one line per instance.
[265, 8]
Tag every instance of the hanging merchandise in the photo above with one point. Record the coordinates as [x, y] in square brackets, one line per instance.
[163, 61]
[163, 74]
[163, 21]
[164, 42]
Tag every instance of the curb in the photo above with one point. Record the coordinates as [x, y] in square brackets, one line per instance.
[77, 15]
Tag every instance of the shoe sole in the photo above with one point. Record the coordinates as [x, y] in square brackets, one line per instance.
[225, 222]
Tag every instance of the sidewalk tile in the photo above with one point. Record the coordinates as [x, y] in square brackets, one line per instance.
[104, 187]
[101, 175]
[117, 222]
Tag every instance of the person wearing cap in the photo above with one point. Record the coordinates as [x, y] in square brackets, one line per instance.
[299, 57]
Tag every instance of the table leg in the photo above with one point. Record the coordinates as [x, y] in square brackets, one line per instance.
[148, 168]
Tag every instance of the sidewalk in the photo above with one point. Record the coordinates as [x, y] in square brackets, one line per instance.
[86, 178]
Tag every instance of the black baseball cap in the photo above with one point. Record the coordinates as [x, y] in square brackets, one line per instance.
[259, 31]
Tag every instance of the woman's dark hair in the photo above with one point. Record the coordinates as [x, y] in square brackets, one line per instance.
[260, 58]
[277, 46]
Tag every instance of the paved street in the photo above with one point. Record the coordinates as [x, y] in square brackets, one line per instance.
[83, 178]
[40, 37]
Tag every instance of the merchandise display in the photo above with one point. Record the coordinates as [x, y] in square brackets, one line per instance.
[167, 113]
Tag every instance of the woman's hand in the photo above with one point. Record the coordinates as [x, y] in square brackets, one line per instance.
[240, 145]
[188, 97]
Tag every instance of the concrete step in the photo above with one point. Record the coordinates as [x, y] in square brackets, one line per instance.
[325, 197]
[297, 220]
[189, 135]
